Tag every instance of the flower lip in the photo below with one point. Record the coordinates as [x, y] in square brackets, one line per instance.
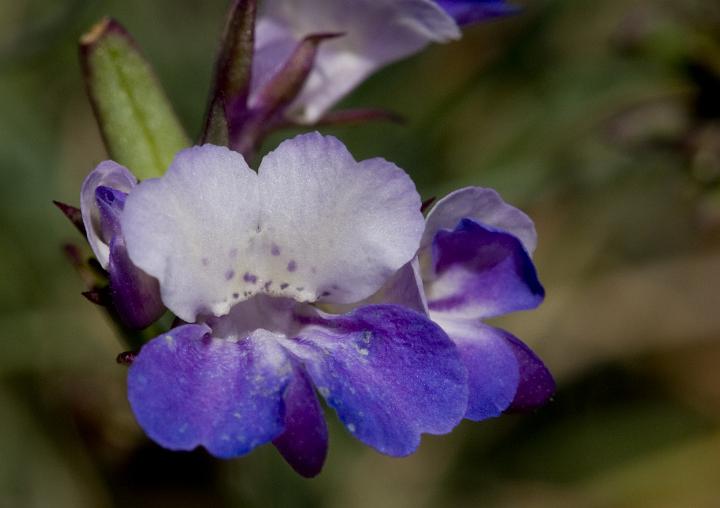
[390, 374]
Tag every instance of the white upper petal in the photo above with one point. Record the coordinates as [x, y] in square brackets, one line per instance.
[312, 224]
[108, 174]
[485, 206]
[376, 33]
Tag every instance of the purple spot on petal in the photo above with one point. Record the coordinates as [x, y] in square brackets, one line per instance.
[284, 285]
[300, 288]
[205, 261]
[236, 295]
[267, 285]
[325, 293]
[248, 277]
[292, 266]
[275, 250]
[229, 274]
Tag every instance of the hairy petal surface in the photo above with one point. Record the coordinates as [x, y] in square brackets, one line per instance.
[304, 442]
[493, 369]
[188, 389]
[377, 32]
[484, 206]
[480, 272]
[113, 176]
[390, 373]
[312, 225]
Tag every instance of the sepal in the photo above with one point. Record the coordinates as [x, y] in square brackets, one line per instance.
[136, 120]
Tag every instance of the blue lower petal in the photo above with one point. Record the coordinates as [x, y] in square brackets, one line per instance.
[536, 383]
[188, 389]
[493, 370]
[390, 373]
[304, 442]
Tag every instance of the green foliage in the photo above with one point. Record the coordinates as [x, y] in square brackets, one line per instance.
[137, 121]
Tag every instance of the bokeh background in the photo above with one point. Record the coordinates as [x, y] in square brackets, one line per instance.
[601, 118]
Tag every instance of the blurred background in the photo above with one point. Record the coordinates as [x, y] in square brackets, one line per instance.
[600, 118]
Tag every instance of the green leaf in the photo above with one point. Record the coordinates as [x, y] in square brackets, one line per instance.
[136, 119]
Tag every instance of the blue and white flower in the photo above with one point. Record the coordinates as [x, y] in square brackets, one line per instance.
[474, 263]
[245, 257]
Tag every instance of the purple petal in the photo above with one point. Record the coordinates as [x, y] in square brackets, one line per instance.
[304, 442]
[484, 206]
[107, 174]
[188, 389]
[493, 372]
[135, 295]
[466, 12]
[536, 383]
[110, 203]
[390, 373]
[480, 272]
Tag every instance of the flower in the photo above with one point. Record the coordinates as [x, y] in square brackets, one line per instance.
[242, 257]
[135, 296]
[473, 264]
[374, 33]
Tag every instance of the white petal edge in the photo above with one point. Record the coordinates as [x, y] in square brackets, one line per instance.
[108, 174]
[483, 205]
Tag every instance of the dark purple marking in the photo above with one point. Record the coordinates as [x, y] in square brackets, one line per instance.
[248, 277]
[236, 295]
[275, 250]
[300, 288]
[292, 266]
[284, 285]
[304, 442]
[229, 274]
[325, 293]
[205, 261]
[267, 285]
